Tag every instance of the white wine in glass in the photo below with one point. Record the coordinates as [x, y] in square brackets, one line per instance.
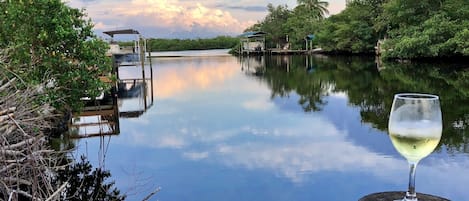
[415, 127]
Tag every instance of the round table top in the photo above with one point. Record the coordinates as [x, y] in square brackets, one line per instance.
[397, 195]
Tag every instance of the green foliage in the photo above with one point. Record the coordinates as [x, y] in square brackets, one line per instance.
[315, 8]
[419, 29]
[405, 13]
[412, 29]
[49, 42]
[298, 26]
[220, 42]
[282, 23]
[350, 31]
[461, 41]
[274, 25]
[87, 184]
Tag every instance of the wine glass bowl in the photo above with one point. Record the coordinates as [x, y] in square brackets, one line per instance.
[415, 127]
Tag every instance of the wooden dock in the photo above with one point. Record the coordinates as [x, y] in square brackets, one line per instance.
[282, 52]
[100, 117]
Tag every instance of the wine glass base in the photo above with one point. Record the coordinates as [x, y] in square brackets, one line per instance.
[398, 196]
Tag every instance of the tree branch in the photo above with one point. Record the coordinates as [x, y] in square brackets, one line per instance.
[11, 152]
[23, 143]
[61, 188]
[8, 110]
[8, 84]
[152, 194]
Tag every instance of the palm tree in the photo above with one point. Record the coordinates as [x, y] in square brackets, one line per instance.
[317, 8]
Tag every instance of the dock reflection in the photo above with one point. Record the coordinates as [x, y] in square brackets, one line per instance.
[132, 93]
[132, 99]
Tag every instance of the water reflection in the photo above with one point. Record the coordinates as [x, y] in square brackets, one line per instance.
[253, 65]
[282, 128]
[372, 90]
[177, 76]
[134, 97]
[102, 118]
[450, 84]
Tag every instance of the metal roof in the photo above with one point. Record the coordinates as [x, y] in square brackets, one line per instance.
[122, 31]
[251, 34]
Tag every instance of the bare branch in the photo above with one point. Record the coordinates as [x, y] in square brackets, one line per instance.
[9, 130]
[23, 143]
[11, 152]
[8, 167]
[57, 191]
[17, 180]
[5, 117]
[6, 111]
[8, 84]
[27, 165]
[152, 194]
[19, 127]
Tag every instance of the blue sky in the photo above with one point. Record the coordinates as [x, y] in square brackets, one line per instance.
[182, 18]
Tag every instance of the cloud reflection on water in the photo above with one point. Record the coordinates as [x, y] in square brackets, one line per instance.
[291, 145]
[258, 104]
[196, 75]
[293, 151]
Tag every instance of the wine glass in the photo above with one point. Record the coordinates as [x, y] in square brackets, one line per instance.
[415, 127]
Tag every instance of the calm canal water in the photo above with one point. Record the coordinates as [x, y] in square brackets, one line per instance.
[280, 128]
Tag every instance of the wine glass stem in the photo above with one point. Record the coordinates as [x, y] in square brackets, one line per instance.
[411, 194]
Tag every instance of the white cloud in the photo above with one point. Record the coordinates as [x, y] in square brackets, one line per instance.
[195, 155]
[258, 104]
[295, 161]
[335, 6]
[170, 142]
[168, 15]
[154, 141]
[184, 17]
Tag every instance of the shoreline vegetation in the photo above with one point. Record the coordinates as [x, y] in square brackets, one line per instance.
[394, 29]
[31, 168]
[24, 155]
[49, 59]
[159, 44]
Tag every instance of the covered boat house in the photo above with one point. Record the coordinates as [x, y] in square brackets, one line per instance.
[252, 42]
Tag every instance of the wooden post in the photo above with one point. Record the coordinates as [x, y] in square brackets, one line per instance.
[307, 62]
[142, 61]
[306, 42]
[248, 47]
[263, 41]
[115, 66]
[151, 76]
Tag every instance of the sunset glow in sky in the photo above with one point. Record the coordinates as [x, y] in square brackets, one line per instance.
[182, 18]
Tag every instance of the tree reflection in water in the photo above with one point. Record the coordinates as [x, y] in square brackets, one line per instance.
[370, 88]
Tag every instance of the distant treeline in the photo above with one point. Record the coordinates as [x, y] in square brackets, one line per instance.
[220, 42]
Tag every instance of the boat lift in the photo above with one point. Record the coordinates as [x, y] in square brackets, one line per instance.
[101, 118]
